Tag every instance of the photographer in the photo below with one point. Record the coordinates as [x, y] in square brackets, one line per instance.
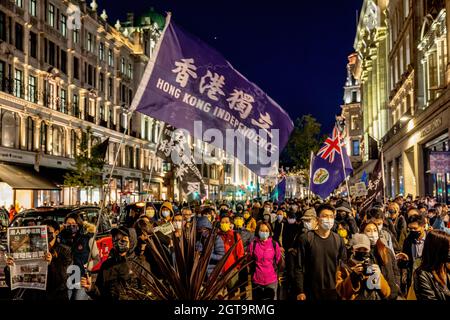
[361, 278]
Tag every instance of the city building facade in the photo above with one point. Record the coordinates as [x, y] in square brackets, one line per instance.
[415, 75]
[352, 113]
[61, 78]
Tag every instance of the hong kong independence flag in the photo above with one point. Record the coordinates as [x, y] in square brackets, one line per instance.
[327, 170]
[189, 85]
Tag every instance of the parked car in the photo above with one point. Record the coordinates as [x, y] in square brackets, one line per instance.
[88, 213]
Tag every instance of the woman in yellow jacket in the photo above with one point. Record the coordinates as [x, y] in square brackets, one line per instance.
[249, 221]
[360, 278]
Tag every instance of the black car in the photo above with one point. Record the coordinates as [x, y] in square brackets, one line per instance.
[32, 217]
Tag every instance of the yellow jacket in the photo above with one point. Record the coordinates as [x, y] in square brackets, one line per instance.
[251, 225]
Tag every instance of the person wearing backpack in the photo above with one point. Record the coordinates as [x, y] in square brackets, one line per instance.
[266, 254]
[319, 254]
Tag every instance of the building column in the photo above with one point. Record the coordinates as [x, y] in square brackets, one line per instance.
[23, 132]
[50, 138]
[37, 133]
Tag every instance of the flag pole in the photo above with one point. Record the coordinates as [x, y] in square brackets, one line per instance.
[343, 166]
[384, 180]
[310, 174]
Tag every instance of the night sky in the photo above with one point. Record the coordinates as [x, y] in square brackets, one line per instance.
[296, 51]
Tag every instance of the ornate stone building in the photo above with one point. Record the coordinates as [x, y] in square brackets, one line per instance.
[58, 79]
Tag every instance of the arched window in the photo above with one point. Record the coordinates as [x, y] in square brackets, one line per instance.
[58, 141]
[43, 137]
[9, 124]
[30, 134]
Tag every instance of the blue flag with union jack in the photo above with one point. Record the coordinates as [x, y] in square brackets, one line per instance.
[327, 169]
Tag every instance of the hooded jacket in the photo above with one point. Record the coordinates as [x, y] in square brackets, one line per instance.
[169, 206]
[115, 276]
[228, 239]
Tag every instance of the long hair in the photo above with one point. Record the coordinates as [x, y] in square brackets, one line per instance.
[381, 251]
[436, 250]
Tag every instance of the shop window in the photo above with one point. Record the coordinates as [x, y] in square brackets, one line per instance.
[9, 129]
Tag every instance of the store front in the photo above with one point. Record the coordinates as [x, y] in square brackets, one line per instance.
[130, 190]
[437, 184]
[23, 187]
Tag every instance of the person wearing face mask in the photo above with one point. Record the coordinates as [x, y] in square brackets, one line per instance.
[79, 236]
[442, 218]
[399, 223]
[278, 228]
[247, 237]
[115, 276]
[229, 238]
[361, 278]
[376, 216]
[319, 252]
[266, 256]
[309, 221]
[150, 213]
[344, 214]
[166, 213]
[58, 258]
[383, 257]
[204, 228]
[410, 257]
[432, 277]
[249, 221]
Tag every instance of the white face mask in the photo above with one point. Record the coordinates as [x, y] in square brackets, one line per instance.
[166, 213]
[308, 225]
[373, 237]
[327, 224]
[380, 227]
[178, 225]
[292, 221]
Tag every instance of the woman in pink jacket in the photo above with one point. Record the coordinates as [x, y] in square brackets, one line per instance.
[266, 255]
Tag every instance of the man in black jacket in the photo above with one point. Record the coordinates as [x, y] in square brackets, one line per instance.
[115, 279]
[59, 258]
[344, 214]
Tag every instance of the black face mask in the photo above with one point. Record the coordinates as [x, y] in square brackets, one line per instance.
[121, 246]
[50, 237]
[414, 234]
[361, 256]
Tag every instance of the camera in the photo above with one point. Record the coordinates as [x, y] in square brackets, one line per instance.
[366, 264]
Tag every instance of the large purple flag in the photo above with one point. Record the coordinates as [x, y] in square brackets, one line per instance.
[191, 86]
[327, 170]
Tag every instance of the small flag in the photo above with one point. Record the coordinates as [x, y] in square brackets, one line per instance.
[375, 189]
[327, 170]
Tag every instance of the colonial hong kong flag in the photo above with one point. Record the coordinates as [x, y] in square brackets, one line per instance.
[187, 83]
[327, 170]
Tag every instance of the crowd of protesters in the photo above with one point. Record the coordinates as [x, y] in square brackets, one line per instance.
[299, 250]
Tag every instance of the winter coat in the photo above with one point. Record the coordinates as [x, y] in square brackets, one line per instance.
[217, 253]
[427, 287]
[246, 236]
[114, 279]
[56, 277]
[439, 224]
[390, 272]
[264, 254]
[229, 238]
[350, 286]
[81, 246]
